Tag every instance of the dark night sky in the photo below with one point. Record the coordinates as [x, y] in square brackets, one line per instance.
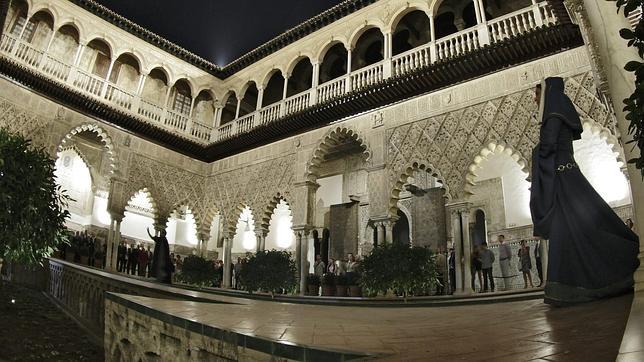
[219, 31]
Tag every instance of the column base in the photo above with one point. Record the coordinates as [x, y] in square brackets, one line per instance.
[462, 293]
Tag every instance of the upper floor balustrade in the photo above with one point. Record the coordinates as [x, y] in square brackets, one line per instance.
[119, 81]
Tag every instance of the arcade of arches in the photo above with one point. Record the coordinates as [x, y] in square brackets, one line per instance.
[336, 190]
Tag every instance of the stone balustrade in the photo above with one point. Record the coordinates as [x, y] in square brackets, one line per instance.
[460, 43]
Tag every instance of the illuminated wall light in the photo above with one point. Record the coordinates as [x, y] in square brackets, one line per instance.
[249, 242]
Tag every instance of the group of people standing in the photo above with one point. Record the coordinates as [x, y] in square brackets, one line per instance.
[84, 243]
[134, 259]
[483, 261]
[347, 267]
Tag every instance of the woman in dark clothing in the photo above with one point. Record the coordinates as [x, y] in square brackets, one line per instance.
[592, 253]
[162, 267]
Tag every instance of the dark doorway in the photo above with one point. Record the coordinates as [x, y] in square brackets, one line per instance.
[479, 234]
[401, 229]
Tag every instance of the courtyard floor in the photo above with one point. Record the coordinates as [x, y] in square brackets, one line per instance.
[34, 329]
[510, 331]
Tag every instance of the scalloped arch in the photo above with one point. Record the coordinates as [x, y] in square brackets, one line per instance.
[150, 196]
[324, 147]
[265, 217]
[102, 135]
[406, 174]
[489, 149]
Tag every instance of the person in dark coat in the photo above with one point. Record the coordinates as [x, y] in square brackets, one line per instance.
[592, 253]
[91, 247]
[162, 267]
[121, 256]
[135, 260]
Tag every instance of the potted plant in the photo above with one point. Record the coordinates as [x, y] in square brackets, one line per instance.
[270, 270]
[401, 268]
[197, 271]
[313, 283]
[341, 286]
[355, 290]
[328, 285]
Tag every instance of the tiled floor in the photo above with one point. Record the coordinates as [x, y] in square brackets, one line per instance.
[632, 348]
[514, 331]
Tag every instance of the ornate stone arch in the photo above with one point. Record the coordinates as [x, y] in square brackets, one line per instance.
[152, 197]
[196, 213]
[263, 220]
[488, 149]
[324, 147]
[397, 185]
[230, 224]
[607, 135]
[102, 135]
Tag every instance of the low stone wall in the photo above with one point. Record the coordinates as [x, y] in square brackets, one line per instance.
[81, 290]
[134, 332]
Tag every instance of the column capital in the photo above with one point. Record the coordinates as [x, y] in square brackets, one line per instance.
[458, 206]
[308, 184]
[116, 216]
[302, 230]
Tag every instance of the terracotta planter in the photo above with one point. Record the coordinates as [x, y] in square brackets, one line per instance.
[355, 291]
[341, 290]
[98, 263]
[313, 290]
[328, 290]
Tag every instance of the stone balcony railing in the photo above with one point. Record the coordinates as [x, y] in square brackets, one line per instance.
[510, 25]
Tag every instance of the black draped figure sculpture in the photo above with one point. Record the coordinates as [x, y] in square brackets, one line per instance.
[592, 253]
[162, 267]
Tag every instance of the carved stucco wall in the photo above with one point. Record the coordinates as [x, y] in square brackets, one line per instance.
[448, 143]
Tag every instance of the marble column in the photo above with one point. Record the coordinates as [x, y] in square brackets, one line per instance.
[380, 233]
[600, 23]
[467, 251]
[115, 243]
[459, 212]
[298, 261]
[113, 240]
[458, 251]
[543, 250]
[226, 260]
[389, 231]
[261, 239]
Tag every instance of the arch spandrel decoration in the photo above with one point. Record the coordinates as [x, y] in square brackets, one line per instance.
[253, 186]
[169, 186]
[452, 141]
[18, 120]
